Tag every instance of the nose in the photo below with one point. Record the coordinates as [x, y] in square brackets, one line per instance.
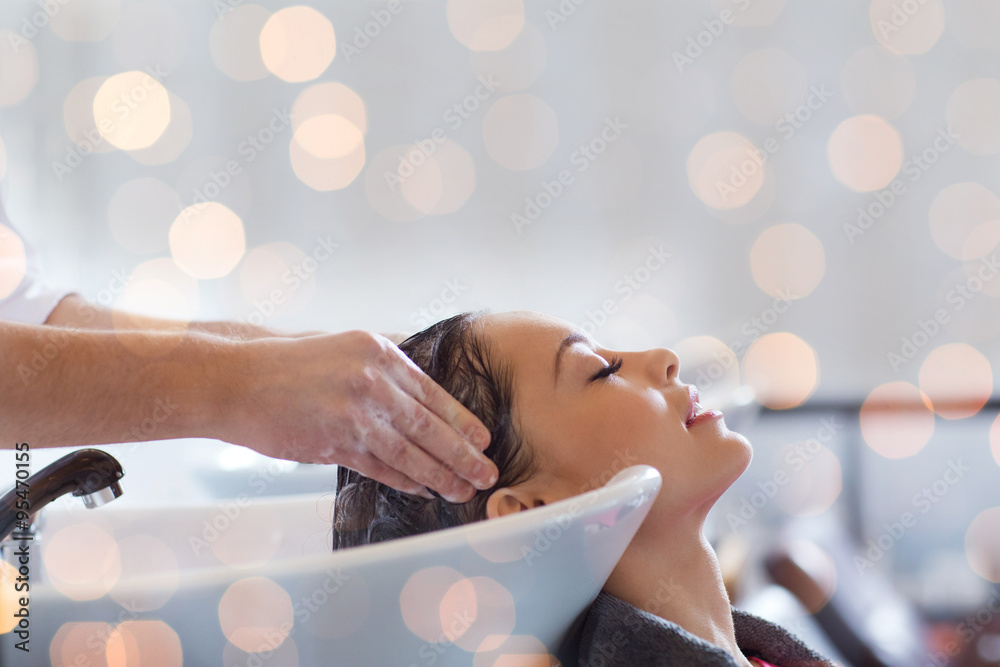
[664, 365]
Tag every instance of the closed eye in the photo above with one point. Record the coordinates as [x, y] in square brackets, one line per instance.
[613, 367]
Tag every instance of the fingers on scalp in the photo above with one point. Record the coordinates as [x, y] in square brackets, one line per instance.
[428, 431]
[372, 467]
[399, 452]
[430, 394]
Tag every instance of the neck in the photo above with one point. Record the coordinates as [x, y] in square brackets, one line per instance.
[678, 579]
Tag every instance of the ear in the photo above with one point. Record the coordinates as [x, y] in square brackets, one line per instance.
[509, 500]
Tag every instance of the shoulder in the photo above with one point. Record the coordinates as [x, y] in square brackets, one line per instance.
[771, 642]
[615, 632]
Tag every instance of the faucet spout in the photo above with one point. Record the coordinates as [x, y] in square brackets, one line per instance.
[90, 474]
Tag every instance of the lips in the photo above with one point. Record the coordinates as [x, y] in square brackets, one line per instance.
[695, 415]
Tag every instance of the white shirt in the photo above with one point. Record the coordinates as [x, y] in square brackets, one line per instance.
[31, 300]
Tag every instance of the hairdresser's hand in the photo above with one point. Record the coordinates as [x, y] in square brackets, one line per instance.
[356, 400]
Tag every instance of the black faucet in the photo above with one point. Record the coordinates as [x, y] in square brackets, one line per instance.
[88, 473]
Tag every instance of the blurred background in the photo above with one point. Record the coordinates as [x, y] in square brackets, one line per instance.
[801, 198]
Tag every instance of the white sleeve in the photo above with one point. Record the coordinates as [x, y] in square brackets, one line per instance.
[24, 297]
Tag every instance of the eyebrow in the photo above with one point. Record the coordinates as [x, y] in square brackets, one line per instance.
[572, 339]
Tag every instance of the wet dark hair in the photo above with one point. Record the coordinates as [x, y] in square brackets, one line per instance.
[460, 359]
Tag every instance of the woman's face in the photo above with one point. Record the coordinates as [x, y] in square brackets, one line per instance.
[585, 425]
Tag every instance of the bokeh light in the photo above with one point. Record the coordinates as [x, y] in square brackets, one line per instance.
[972, 116]
[329, 99]
[477, 614]
[328, 136]
[18, 68]
[815, 478]
[957, 379]
[149, 573]
[421, 599]
[787, 261]
[207, 240]
[485, 25]
[131, 110]
[144, 642]
[865, 152]
[959, 211]
[78, 116]
[909, 28]
[82, 561]
[877, 81]
[513, 651]
[256, 614]
[520, 131]
[897, 420]
[384, 179]
[280, 275]
[725, 170]
[9, 597]
[982, 544]
[157, 288]
[286, 655]
[516, 66]
[326, 174]
[327, 150]
[711, 365]
[13, 261]
[234, 42]
[767, 84]
[174, 140]
[782, 369]
[140, 214]
[443, 183]
[80, 643]
[85, 20]
[297, 43]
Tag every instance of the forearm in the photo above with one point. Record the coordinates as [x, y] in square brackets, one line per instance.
[63, 387]
[75, 311]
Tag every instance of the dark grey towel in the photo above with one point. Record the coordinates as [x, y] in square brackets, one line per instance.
[617, 634]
